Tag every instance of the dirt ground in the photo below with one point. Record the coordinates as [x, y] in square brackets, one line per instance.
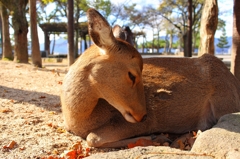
[30, 112]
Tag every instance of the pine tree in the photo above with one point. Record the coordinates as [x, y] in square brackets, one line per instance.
[222, 41]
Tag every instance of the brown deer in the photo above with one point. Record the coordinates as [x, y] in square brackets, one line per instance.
[106, 96]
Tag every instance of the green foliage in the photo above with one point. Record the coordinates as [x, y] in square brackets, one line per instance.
[47, 1]
[103, 6]
[222, 41]
[221, 24]
[177, 14]
[155, 45]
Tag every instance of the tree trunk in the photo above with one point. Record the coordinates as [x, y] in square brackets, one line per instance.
[54, 43]
[235, 64]
[170, 43]
[7, 48]
[20, 26]
[189, 32]
[76, 44]
[36, 55]
[70, 32]
[158, 42]
[208, 27]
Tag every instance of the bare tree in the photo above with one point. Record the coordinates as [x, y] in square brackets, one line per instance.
[36, 55]
[208, 27]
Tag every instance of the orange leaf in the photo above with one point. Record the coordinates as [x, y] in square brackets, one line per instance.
[71, 154]
[181, 145]
[10, 145]
[6, 110]
[141, 142]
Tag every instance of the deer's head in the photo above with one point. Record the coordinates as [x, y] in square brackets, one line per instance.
[115, 69]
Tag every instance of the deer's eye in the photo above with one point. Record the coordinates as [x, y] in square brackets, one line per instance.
[132, 77]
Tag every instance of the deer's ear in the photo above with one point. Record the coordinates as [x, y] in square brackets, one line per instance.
[99, 29]
[118, 32]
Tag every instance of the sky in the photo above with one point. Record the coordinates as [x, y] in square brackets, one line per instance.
[225, 13]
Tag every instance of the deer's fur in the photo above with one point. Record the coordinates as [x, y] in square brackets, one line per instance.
[103, 99]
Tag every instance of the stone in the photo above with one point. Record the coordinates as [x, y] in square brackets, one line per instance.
[221, 141]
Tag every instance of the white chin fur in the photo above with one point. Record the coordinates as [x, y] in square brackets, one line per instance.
[129, 118]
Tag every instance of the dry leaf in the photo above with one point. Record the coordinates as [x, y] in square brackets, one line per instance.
[7, 110]
[141, 142]
[190, 141]
[50, 124]
[61, 130]
[181, 145]
[71, 154]
[22, 148]
[76, 146]
[10, 145]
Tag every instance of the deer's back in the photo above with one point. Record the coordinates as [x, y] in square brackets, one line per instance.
[181, 93]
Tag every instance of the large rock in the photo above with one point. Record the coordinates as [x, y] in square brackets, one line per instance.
[223, 140]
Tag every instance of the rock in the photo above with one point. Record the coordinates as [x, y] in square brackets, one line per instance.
[223, 140]
[153, 152]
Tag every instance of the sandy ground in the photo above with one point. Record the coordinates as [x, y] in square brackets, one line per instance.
[30, 111]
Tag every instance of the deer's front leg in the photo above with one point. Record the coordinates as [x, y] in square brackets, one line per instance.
[114, 131]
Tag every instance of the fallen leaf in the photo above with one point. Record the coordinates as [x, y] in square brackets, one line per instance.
[87, 151]
[50, 124]
[181, 145]
[141, 142]
[22, 148]
[71, 154]
[61, 130]
[77, 146]
[10, 145]
[194, 133]
[7, 110]
[190, 141]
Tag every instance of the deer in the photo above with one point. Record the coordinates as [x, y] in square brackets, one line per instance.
[111, 95]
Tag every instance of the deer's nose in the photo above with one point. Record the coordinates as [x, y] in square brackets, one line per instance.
[144, 118]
